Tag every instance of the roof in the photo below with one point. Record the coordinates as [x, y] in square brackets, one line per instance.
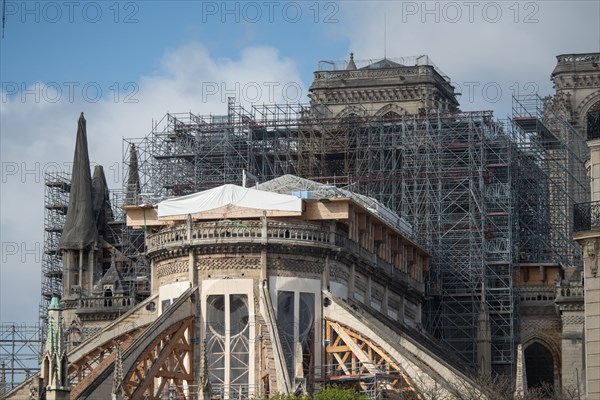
[79, 230]
[384, 63]
[54, 303]
[227, 197]
[291, 184]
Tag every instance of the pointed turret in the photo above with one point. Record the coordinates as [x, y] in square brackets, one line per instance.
[101, 202]
[351, 65]
[111, 283]
[521, 377]
[133, 179]
[54, 366]
[79, 231]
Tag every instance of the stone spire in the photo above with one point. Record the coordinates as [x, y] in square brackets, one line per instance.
[54, 366]
[117, 389]
[101, 202]
[521, 378]
[111, 277]
[133, 179]
[79, 231]
[351, 65]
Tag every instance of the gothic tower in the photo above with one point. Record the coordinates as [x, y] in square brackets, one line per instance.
[94, 291]
[404, 86]
[79, 236]
[576, 78]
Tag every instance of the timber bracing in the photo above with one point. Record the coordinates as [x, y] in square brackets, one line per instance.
[165, 366]
[353, 359]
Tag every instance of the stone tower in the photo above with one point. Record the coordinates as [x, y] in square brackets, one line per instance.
[79, 236]
[577, 78]
[382, 87]
[94, 291]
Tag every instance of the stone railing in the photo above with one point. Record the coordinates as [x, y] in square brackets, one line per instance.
[105, 303]
[586, 216]
[572, 290]
[238, 232]
[579, 58]
[537, 293]
[370, 73]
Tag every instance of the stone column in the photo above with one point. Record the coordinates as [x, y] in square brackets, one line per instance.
[592, 319]
[570, 305]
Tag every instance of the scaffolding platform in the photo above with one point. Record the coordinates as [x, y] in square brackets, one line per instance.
[470, 187]
[534, 125]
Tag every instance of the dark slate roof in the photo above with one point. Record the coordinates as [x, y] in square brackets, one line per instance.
[101, 195]
[384, 63]
[79, 230]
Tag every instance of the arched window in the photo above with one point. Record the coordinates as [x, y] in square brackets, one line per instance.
[539, 366]
[390, 116]
[296, 320]
[228, 343]
[350, 119]
[593, 122]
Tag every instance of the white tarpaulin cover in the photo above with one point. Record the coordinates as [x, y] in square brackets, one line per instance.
[229, 195]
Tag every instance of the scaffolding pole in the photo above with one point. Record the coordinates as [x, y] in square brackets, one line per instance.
[20, 352]
[480, 195]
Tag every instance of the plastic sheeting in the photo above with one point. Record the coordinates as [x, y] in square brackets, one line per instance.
[228, 195]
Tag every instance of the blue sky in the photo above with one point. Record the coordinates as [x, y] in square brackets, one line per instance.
[127, 63]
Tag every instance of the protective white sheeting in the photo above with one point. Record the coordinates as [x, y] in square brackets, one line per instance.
[228, 195]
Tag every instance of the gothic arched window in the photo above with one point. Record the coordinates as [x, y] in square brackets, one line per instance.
[539, 365]
[593, 122]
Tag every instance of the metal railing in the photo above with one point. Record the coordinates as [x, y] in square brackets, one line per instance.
[586, 216]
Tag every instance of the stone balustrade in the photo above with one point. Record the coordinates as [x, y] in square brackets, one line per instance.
[537, 293]
[106, 303]
[579, 58]
[573, 290]
[236, 232]
[244, 232]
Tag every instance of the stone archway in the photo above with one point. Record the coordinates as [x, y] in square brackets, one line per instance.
[592, 121]
[539, 366]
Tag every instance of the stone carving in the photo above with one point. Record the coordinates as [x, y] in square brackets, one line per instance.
[573, 319]
[171, 268]
[206, 264]
[591, 249]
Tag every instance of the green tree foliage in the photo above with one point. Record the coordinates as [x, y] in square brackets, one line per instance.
[336, 393]
[326, 393]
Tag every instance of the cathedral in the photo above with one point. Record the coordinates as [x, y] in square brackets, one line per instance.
[381, 239]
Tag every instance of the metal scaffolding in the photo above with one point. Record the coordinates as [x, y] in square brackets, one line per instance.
[554, 177]
[20, 350]
[135, 272]
[56, 201]
[481, 196]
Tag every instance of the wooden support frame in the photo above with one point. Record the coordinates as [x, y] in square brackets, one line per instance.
[166, 364]
[350, 355]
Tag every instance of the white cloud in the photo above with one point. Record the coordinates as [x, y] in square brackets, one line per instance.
[40, 135]
[487, 42]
